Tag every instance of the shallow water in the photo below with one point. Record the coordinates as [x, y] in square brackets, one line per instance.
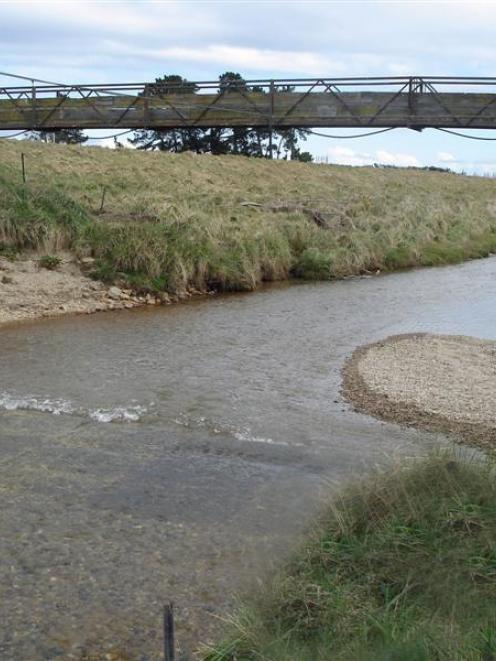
[256, 367]
[209, 427]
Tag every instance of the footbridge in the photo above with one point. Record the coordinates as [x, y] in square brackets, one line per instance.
[412, 102]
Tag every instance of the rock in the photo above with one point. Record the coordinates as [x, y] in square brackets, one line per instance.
[87, 261]
[7, 280]
[114, 292]
[94, 286]
[164, 298]
[150, 300]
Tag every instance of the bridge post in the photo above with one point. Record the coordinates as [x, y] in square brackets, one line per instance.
[271, 117]
[34, 120]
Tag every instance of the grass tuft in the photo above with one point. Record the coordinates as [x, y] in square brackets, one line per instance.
[402, 566]
[49, 262]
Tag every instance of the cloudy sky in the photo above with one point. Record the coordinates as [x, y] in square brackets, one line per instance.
[114, 41]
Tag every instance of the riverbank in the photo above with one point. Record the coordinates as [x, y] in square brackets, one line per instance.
[30, 291]
[166, 223]
[437, 382]
[401, 566]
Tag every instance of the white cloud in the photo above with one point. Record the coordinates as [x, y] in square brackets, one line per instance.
[395, 158]
[348, 156]
[445, 157]
[235, 57]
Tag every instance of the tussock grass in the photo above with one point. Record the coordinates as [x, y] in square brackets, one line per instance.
[175, 221]
[402, 566]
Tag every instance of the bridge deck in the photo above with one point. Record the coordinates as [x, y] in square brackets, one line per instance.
[412, 102]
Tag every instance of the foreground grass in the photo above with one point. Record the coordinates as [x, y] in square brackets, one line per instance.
[402, 567]
[177, 221]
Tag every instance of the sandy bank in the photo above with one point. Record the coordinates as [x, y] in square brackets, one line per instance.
[437, 382]
[28, 291]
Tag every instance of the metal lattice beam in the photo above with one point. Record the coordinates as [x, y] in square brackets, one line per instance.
[414, 102]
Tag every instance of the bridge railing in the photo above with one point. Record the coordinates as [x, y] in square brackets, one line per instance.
[394, 101]
[386, 83]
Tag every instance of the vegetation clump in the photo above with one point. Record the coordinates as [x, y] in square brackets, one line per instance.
[177, 221]
[49, 262]
[402, 566]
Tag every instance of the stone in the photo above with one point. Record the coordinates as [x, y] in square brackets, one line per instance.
[114, 292]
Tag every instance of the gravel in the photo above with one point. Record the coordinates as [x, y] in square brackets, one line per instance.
[439, 382]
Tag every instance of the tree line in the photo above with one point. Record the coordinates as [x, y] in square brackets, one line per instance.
[245, 141]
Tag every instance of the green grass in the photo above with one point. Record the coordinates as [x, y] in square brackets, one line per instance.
[50, 262]
[177, 221]
[401, 567]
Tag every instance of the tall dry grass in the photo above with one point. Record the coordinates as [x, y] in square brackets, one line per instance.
[176, 221]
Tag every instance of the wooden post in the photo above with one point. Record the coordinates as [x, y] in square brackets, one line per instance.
[169, 645]
[100, 210]
[23, 165]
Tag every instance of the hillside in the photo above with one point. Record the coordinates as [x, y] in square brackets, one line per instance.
[171, 222]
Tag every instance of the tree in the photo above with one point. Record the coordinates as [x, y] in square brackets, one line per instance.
[247, 141]
[60, 136]
[173, 140]
[303, 156]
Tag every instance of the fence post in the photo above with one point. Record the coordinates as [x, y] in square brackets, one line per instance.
[169, 646]
[104, 191]
[23, 165]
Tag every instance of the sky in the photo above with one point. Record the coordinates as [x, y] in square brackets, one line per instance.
[73, 41]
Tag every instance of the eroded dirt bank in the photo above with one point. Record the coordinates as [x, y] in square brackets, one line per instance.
[438, 382]
[29, 291]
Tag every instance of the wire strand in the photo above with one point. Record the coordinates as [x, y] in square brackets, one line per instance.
[346, 137]
[14, 135]
[464, 135]
[114, 135]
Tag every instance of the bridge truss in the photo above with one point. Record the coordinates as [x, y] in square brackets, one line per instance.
[412, 102]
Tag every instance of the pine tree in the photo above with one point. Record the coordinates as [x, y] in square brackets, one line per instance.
[60, 136]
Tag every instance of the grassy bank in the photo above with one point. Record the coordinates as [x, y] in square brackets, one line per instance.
[176, 221]
[402, 567]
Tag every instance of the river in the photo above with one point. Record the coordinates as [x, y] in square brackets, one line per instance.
[177, 453]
